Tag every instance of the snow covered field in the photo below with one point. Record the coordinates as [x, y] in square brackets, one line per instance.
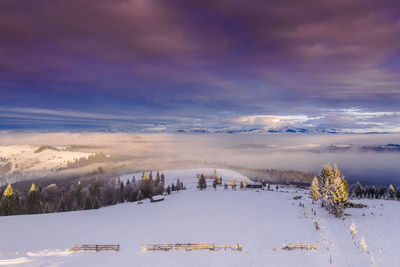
[261, 221]
[28, 158]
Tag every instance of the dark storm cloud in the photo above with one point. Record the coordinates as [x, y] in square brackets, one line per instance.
[211, 60]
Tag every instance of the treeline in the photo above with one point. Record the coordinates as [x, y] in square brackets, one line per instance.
[371, 192]
[94, 158]
[274, 175]
[78, 196]
[45, 147]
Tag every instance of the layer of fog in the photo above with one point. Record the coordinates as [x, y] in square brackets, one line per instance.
[305, 152]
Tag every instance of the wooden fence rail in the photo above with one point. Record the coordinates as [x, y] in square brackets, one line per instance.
[290, 246]
[76, 248]
[189, 247]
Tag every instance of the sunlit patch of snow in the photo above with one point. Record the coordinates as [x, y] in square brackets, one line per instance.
[20, 260]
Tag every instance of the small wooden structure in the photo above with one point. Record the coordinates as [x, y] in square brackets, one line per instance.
[290, 246]
[77, 248]
[157, 198]
[189, 247]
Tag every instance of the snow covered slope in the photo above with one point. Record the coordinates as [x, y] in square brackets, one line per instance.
[30, 158]
[261, 221]
[188, 176]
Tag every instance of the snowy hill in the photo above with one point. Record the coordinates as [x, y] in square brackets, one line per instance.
[188, 176]
[260, 221]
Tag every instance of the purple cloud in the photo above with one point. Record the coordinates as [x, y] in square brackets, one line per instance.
[241, 58]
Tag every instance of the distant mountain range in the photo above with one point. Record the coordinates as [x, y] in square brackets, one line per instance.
[285, 130]
[260, 130]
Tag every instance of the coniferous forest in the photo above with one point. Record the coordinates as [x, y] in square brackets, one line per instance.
[92, 194]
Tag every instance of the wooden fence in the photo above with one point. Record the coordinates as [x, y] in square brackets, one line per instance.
[290, 246]
[76, 248]
[189, 247]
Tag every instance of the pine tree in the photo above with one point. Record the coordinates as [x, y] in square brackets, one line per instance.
[233, 184]
[178, 185]
[88, 203]
[9, 202]
[338, 196]
[245, 183]
[151, 176]
[134, 195]
[168, 190]
[33, 203]
[96, 188]
[346, 190]
[215, 182]
[96, 203]
[9, 191]
[398, 192]
[162, 178]
[314, 189]
[140, 196]
[335, 191]
[108, 195]
[358, 190]
[392, 191]
[225, 186]
[218, 178]
[202, 184]
[61, 206]
[78, 196]
[121, 192]
[157, 179]
[127, 191]
[173, 187]
[241, 184]
[146, 185]
[382, 192]
[46, 208]
[326, 179]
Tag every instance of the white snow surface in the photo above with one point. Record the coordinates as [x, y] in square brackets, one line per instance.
[25, 157]
[260, 221]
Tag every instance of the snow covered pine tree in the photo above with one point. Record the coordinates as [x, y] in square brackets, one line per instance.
[334, 190]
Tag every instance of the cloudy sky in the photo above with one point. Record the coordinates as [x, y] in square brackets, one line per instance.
[157, 65]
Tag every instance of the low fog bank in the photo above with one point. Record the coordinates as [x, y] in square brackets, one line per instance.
[368, 158]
